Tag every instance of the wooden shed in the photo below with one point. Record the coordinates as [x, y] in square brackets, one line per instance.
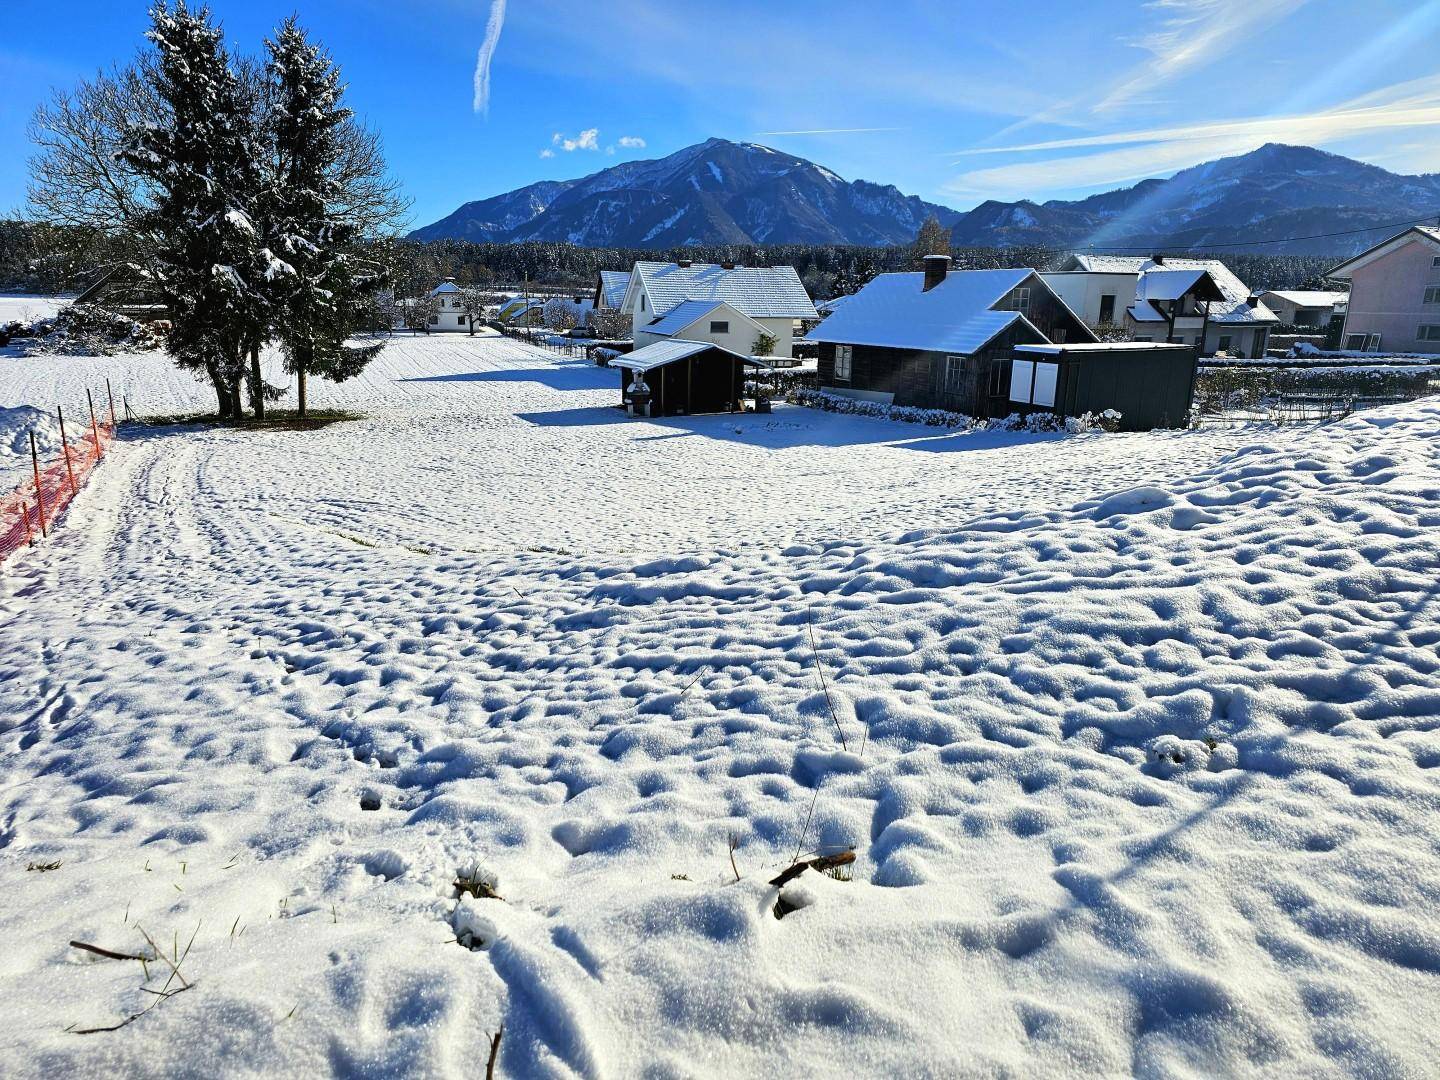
[682, 378]
[1150, 384]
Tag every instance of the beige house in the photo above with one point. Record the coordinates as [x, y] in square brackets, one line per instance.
[734, 307]
[1395, 294]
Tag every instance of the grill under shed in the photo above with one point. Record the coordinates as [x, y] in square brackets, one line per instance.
[1150, 384]
[682, 378]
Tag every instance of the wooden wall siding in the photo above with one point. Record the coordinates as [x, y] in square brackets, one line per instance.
[918, 378]
[1048, 313]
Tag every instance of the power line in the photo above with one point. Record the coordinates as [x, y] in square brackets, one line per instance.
[1161, 241]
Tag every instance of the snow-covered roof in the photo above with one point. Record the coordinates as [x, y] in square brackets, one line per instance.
[1098, 346]
[1144, 311]
[761, 292]
[1167, 284]
[612, 287]
[683, 316]
[832, 304]
[1233, 309]
[446, 286]
[1309, 298]
[667, 352]
[895, 311]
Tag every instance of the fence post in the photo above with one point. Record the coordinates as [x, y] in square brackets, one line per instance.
[65, 449]
[94, 427]
[39, 491]
[111, 394]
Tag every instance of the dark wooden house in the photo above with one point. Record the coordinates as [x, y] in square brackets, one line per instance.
[1150, 384]
[940, 339]
[682, 378]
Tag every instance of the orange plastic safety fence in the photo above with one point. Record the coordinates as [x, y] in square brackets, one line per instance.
[27, 513]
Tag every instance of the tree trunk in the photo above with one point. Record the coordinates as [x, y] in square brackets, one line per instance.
[300, 385]
[224, 406]
[258, 383]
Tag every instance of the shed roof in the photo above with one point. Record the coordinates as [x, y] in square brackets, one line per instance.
[683, 316]
[895, 311]
[661, 353]
[761, 292]
[1173, 284]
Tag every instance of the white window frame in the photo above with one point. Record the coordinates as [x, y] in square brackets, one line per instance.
[954, 374]
[1432, 294]
[844, 362]
[1022, 299]
[1435, 262]
[719, 326]
[1428, 332]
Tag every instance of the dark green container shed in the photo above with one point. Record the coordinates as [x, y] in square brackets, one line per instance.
[1150, 384]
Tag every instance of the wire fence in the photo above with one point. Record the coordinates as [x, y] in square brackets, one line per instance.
[31, 512]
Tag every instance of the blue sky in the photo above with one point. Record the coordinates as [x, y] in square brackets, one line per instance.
[953, 101]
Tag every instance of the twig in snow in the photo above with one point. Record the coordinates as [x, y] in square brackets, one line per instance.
[494, 1053]
[159, 997]
[734, 843]
[107, 953]
[806, 829]
[820, 668]
[825, 862]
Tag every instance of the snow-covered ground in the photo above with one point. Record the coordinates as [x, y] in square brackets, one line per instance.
[1139, 741]
[22, 307]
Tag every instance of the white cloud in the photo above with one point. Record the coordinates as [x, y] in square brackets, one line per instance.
[827, 131]
[1156, 151]
[547, 153]
[589, 139]
[1193, 34]
[632, 142]
[493, 27]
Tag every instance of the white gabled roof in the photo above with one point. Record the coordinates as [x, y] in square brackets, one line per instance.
[446, 286]
[1233, 309]
[1309, 298]
[1167, 284]
[761, 292]
[895, 312]
[667, 352]
[612, 287]
[683, 316]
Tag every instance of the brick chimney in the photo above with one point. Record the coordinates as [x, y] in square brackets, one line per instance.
[936, 267]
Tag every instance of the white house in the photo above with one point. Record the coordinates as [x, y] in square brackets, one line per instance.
[450, 317]
[610, 286]
[730, 306]
[1113, 290]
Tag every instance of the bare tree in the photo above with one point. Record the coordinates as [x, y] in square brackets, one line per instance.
[610, 323]
[421, 312]
[475, 303]
[933, 239]
[560, 314]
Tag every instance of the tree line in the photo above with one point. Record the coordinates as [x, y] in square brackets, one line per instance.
[240, 190]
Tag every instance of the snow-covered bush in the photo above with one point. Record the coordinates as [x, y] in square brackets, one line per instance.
[84, 330]
[1109, 420]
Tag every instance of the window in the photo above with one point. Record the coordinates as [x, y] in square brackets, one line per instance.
[1022, 300]
[842, 363]
[1432, 295]
[999, 377]
[1429, 333]
[434, 320]
[1225, 342]
[1362, 342]
[461, 320]
[719, 326]
[642, 302]
[1435, 263]
[954, 374]
[1034, 383]
[1107, 308]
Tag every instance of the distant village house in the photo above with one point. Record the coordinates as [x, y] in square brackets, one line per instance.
[1394, 294]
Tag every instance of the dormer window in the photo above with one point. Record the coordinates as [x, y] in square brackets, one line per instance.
[1022, 300]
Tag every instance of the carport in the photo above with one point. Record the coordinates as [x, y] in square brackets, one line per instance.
[682, 378]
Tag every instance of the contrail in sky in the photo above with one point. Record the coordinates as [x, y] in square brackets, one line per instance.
[487, 53]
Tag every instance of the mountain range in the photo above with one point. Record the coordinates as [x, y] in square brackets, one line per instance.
[720, 192]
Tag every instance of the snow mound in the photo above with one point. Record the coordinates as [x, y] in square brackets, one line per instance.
[16, 424]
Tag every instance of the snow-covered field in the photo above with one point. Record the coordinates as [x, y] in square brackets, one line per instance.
[20, 307]
[1140, 750]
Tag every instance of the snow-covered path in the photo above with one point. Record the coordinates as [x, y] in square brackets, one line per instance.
[286, 686]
